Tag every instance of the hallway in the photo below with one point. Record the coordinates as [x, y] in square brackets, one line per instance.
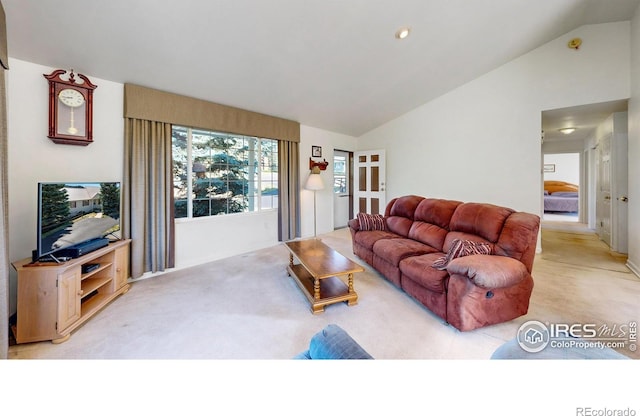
[573, 243]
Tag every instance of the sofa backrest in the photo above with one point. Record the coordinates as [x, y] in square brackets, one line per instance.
[483, 220]
[519, 238]
[399, 214]
[431, 221]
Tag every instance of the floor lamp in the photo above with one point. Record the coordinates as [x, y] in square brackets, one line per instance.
[314, 183]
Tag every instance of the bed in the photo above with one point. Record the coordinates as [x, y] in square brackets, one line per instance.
[560, 196]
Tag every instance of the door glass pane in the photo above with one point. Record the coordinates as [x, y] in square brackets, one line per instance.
[362, 204]
[362, 158]
[375, 158]
[375, 206]
[362, 186]
[375, 178]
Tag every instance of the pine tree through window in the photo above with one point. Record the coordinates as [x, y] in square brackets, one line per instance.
[221, 173]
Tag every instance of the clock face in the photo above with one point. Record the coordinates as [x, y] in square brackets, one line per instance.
[71, 98]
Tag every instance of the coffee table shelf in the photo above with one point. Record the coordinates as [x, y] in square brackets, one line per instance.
[318, 273]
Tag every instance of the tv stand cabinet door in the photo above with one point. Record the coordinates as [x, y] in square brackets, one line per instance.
[37, 304]
[121, 263]
[69, 296]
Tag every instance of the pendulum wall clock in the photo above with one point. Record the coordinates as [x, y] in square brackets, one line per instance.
[70, 108]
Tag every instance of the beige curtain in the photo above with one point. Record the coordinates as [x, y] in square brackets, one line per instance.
[4, 181]
[288, 190]
[148, 196]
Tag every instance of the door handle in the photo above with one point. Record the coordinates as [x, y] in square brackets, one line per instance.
[623, 199]
[607, 197]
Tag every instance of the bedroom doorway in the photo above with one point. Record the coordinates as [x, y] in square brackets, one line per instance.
[562, 173]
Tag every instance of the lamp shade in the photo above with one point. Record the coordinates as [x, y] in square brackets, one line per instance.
[314, 182]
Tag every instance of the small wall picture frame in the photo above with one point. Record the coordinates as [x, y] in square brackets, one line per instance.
[316, 151]
[549, 167]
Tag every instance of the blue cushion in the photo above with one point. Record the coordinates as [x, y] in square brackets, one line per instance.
[333, 343]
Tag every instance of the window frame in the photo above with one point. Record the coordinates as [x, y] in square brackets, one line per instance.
[190, 197]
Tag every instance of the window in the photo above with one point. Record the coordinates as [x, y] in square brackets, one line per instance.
[219, 173]
[340, 184]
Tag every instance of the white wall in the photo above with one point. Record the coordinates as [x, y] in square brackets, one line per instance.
[634, 149]
[567, 167]
[201, 240]
[481, 142]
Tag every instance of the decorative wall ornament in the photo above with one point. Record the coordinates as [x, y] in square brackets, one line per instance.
[70, 108]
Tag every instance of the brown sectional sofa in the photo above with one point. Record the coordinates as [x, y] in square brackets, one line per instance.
[472, 291]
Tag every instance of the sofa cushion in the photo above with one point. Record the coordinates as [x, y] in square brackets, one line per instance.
[395, 249]
[461, 248]
[405, 206]
[418, 269]
[400, 217]
[484, 220]
[368, 238]
[369, 222]
[428, 233]
[436, 211]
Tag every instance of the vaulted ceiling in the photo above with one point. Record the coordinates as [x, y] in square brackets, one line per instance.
[331, 64]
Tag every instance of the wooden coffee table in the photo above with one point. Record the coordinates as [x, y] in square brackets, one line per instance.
[317, 273]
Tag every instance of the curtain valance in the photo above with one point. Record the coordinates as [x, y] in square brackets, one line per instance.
[149, 104]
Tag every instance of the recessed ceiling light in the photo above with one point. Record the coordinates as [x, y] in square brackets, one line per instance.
[402, 33]
[567, 130]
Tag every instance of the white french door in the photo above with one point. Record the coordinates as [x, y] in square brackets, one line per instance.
[369, 182]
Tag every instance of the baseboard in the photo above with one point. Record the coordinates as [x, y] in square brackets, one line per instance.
[634, 268]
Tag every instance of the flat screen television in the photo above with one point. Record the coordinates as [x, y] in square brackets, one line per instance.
[73, 213]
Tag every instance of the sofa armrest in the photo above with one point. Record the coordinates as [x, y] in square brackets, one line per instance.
[489, 272]
[354, 224]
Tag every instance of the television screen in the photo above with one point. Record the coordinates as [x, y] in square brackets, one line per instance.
[71, 213]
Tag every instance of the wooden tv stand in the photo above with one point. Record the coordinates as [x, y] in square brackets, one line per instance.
[54, 299]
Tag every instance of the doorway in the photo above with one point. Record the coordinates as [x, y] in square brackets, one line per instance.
[562, 187]
[602, 176]
[342, 187]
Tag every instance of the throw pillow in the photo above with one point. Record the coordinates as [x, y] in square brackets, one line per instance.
[369, 222]
[461, 248]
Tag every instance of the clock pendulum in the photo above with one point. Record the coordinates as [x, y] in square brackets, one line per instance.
[72, 99]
